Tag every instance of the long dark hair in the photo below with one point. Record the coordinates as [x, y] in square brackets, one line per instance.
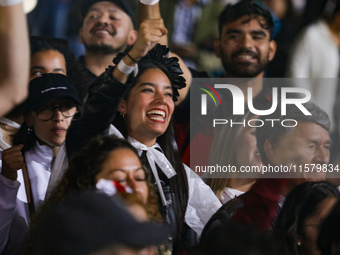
[178, 183]
[329, 234]
[301, 203]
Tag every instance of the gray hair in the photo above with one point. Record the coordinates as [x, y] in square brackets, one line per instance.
[265, 132]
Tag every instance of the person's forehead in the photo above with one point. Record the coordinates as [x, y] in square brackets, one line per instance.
[248, 21]
[305, 128]
[49, 54]
[148, 77]
[306, 132]
[289, 137]
[123, 156]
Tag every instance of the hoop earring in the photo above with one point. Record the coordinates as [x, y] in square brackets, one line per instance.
[29, 130]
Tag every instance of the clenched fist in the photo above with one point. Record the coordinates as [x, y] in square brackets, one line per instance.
[12, 161]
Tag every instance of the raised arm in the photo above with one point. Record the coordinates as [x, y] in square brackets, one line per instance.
[14, 55]
[102, 101]
[152, 12]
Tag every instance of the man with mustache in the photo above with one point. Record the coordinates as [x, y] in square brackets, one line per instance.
[245, 43]
[305, 145]
[109, 28]
[245, 47]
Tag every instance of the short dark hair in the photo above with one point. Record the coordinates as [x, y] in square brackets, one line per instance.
[74, 69]
[123, 4]
[267, 131]
[42, 43]
[233, 12]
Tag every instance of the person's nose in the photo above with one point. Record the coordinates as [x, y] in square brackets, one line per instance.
[160, 98]
[247, 42]
[58, 116]
[132, 183]
[103, 20]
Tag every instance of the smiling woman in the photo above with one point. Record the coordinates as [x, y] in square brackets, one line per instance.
[146, 104]
[149, 106]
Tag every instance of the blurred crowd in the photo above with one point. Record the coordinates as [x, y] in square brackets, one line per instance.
[100, 130]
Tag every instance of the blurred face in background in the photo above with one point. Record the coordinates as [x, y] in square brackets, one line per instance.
[307, 143]
[47, 61]
[245, 47]
[106, 29]
[246, 150]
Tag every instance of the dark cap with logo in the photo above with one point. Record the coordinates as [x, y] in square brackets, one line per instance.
[90, 222]
[44, 89]
[123, 4]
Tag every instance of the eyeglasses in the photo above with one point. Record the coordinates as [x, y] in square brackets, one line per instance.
[47, 112]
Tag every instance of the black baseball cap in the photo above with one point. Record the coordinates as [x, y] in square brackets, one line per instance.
[123, 4]
[90, 222]
[44, 89]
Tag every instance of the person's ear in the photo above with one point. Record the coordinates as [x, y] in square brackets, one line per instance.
[217, 46]
[269, 150]
[122, 108]
[132, 37]
[80, 35]
[272, 50]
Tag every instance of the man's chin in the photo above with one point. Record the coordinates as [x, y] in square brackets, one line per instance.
[244, 72]
[244, 69]
[315, 177]
[104, 49]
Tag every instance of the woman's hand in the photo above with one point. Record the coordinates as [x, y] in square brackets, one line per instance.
[149, 34]
[12, 161]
